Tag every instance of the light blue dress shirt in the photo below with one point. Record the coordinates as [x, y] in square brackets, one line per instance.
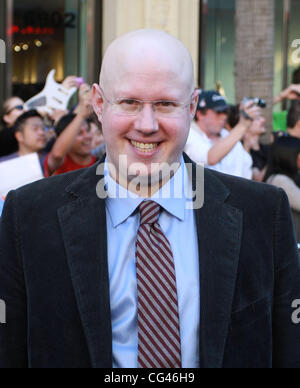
[1, 206]
[179, 226]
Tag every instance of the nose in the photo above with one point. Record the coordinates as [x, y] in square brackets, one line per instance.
[146, 121]
[87, 136]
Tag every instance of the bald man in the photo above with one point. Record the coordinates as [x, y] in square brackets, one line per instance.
[147, 260]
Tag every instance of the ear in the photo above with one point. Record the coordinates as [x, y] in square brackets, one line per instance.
[194, 103]
[198, 115]
[98, 101]
[19, 136]
[6, 119]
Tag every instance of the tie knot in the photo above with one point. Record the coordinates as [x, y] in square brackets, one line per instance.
[149, 212]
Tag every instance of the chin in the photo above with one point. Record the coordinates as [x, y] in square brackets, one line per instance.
[85, 153]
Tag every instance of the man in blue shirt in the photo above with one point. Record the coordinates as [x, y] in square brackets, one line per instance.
[123, 270]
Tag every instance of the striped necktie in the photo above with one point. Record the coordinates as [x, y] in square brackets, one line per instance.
[158, 318]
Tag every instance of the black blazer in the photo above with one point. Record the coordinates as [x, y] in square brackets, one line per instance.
[54, 275]
[296, 217]
[8, 142]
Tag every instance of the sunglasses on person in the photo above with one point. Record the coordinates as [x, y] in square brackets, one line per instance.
[18, 107]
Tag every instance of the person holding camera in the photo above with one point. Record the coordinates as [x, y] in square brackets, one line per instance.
[211, 144]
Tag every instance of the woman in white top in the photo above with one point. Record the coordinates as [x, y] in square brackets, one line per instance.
[283, 171]
[283, 168]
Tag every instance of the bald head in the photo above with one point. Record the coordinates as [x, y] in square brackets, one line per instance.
[147, 49]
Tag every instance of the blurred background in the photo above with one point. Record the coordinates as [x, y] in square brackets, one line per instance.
[242, 47]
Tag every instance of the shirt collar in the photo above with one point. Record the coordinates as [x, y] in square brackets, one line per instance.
[121, 203]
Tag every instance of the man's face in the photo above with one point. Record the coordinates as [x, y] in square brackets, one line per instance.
[212, 122]
[83, 142]
[33, 135]
[145, 138]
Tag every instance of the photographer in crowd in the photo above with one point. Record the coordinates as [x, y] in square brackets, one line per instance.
[210, 143]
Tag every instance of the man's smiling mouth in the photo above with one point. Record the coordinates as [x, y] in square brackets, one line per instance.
[144, 147]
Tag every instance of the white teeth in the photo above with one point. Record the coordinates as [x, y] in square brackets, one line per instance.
[144, 147]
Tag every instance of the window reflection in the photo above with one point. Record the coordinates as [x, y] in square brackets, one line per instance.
[41, 35]
[220, 46]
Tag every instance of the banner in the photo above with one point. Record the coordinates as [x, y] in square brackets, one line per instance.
[19, 172]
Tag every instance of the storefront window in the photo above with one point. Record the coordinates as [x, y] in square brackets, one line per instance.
[279, 53]
[220, 46]
[45, 36]
[287, 32]
[294, 34]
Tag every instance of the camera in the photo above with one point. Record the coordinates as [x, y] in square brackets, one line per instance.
[256, 101]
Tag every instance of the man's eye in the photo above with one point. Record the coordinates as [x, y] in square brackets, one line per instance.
[129, 102]
[166, 104]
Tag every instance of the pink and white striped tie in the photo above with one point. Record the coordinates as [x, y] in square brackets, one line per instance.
[158, 318]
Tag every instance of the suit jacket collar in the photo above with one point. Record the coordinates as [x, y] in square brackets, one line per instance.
[83, 226]
[219, 228]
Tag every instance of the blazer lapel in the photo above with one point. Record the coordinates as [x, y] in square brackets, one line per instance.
[219, 228]
[83, 225]
[219, 235]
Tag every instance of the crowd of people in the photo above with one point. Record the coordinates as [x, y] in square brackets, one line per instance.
[147, 279]
[64, 140]
[223, 137]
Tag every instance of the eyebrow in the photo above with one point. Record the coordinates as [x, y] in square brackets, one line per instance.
[169, 99]
[37, 125]
[131, 95]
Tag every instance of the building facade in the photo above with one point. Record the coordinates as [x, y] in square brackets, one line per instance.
[65, 35]
[70, 36]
